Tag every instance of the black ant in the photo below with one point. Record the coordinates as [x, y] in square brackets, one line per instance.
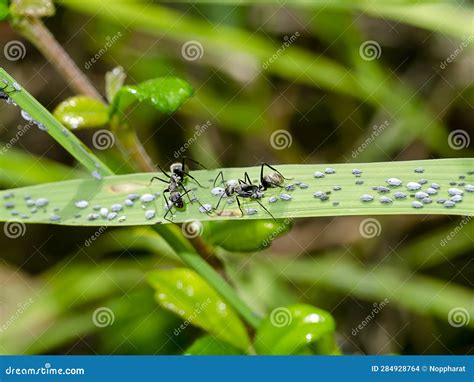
[179, 172]
[4, 93]
[246, 189]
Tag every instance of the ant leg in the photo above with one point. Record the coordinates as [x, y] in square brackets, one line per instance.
[168, 207]
[194, 161]
[219, 202]
[222, 179]
[247, 178]
[240, 207]
[155, 177]
[186, 192]
[163, 171]
[193, 178]
[268, 212]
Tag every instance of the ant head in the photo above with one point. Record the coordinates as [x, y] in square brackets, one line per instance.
[177, 168]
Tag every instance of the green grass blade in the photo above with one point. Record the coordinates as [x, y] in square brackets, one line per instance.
[114, 190]
[57, 131]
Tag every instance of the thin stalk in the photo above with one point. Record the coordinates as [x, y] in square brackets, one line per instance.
[187, 254]
[35, 31]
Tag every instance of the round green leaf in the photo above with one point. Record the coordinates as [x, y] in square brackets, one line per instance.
[297, 329]
[244, 236]
[166, 94]
[81, 112]
[208, 345]
[185, 293]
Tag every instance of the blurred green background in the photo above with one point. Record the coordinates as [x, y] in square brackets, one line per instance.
[328, 74]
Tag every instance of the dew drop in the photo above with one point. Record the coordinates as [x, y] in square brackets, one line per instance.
[217, 191]
[413, 186]
[285, 197]
[81, 204]
[416, 204]
[150, 214]
[55, 218]
[449, 204]
[394, 182]
[455, 191]
[385, 200]
[419, 170]
[318, 174]
[273, 199]
[469, 187]
[116, 207]
[251, 211]
[366, 198]
[92, 217]
[147, 198]
[456, 198]
[128, 202]
[41, 202]
[330, 170]
[111, 215]
[421, 195]
[400, 195]
[133, 197]
[356, 171]
[205, 208]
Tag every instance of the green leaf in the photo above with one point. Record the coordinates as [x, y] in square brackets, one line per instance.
[42, 118]
[114, 81]
[166, 94]
[244, 236]
[209, 345]
[115, 189]
[185, 293]
[291, 329]
[81, 112]
[33, 8]
[4, 9]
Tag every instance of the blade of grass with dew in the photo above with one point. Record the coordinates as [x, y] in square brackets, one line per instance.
[62, 208]
[58, 132]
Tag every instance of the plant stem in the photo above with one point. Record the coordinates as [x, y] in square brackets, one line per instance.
[34, 30]
[186, 252]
